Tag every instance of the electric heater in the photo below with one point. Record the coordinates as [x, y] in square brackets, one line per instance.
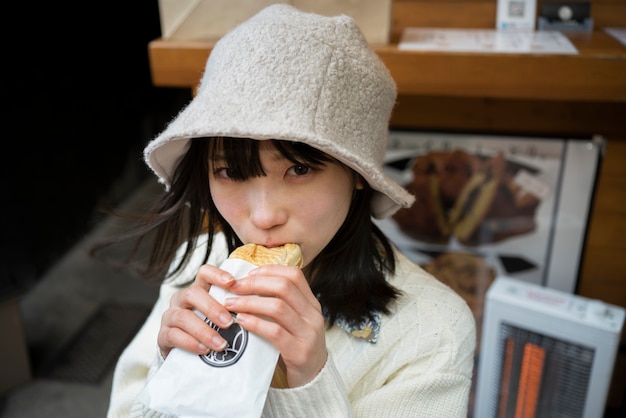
[545, 353]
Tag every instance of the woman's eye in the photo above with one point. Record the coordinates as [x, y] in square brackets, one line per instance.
[225, 173]
[300, 170]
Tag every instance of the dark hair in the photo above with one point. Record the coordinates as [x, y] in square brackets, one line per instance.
[348, 276]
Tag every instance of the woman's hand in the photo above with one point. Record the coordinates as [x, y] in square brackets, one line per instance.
[181, 327]
[276, 303]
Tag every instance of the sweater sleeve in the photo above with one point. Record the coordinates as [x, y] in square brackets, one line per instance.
[326, 397]
[141, 359]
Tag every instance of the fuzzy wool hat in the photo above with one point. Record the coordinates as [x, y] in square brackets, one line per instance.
[289, 75]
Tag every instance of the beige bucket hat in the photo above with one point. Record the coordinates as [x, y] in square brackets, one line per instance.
[290, 75]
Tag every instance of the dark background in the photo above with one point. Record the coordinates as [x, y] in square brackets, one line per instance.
[78, 108]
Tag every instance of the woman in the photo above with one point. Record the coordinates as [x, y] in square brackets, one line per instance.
[284, 143]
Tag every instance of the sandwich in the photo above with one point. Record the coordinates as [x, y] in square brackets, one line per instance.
[287, 255]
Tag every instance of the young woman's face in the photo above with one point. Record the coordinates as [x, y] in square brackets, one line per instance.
[292, 203]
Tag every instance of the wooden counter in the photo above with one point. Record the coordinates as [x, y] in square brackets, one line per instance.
[596, 74]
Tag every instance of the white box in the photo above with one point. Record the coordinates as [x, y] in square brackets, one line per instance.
[546, 352]
[516, 15]
[211, 19]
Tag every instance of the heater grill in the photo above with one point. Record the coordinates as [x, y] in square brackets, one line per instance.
[539, 376]
[545, 353]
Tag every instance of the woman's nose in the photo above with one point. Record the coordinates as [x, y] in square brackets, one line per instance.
[267, 208]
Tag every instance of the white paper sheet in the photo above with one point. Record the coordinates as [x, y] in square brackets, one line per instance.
[486, 40]
[617, 33]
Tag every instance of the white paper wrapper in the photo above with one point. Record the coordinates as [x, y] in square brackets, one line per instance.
[232, 383]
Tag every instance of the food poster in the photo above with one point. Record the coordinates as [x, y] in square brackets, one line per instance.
[490, 206]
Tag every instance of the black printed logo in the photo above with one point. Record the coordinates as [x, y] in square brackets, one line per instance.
[236, 339]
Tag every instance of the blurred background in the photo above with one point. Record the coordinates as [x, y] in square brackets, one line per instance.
[78, 109]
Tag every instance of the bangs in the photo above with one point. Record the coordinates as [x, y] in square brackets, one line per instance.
[241, 155]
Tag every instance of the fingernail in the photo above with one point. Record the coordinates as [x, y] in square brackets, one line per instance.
[219, 343]
[226, 278]
[203, 348]
[226, 320]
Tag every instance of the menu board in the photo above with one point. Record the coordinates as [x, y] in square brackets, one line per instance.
[514, 206]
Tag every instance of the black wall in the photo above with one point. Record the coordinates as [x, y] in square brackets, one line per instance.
[78, 107]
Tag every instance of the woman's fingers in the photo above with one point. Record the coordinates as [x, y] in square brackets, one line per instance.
[287, 283]
[182, 324]
[280, 293]
[209, 275]
[276, 303]
[175, 337]
[196, 297]
[283, 317]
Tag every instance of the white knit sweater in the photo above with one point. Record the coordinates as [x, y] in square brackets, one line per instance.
[421, 365]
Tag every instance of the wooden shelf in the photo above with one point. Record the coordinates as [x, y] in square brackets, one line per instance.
[596, 74]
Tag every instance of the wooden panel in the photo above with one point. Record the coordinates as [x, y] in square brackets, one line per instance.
[526, 117]
[441, 14]
[608, 14]
[482, 14]
[603, 272]
[604, 263]
[177, 63]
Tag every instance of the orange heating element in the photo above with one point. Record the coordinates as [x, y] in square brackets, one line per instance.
[506, 377]
[530, 381]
